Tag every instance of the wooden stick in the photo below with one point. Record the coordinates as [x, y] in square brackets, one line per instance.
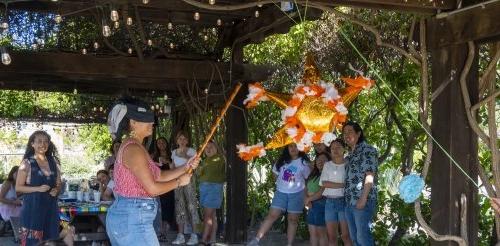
[216, 123]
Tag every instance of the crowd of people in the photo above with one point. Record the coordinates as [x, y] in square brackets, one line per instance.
[338, 189]
[152, 193]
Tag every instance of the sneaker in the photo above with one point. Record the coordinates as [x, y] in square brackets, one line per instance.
[253, 242]
[179, 239]
[193, 240]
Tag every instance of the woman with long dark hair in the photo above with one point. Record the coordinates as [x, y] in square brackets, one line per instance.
[360, 184]
[138, 180]
[161, 155]
[39, 180]
[316, 202]
[291, 171]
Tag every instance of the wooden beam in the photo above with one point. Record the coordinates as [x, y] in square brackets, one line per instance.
[451, 129]
[271, 21]
[236, 189]
[415, 6]
[474, 23]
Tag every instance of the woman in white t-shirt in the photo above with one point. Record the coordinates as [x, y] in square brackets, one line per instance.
[186, 204]
[332, 179]
[291, 172]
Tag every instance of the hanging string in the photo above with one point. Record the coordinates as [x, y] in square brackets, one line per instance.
[380, 78]
[401, 102]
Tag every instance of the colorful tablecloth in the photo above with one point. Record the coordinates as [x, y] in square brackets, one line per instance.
[74, 209]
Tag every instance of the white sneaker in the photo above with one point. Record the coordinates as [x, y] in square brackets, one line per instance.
[193, 240]
[179, 239]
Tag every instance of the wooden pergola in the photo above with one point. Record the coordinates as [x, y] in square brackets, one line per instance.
[165, 68]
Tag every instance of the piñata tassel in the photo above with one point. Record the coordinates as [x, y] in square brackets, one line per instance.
[248, 153]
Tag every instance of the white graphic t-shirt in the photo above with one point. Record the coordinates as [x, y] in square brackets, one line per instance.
[291, 178]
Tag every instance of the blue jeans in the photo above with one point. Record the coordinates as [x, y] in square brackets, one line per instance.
[130, 221]
[359, 222]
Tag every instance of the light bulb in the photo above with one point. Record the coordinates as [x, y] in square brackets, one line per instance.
[211, 2]
[205, 37]
[206, 91]
[145, 1]
[100, 109]
[75, 91]
[106, 31]
[58, 18]
[150, 42]
[259, 5]
[196, 16]
[84, 51]
[152, 107]
[165, 97]
[117, 25]
[157, 106]
[257, 14]
[129, 21]
[219, 22]
[114, 15]
[6, 60]
[214, 30]
[96, 45]
[172, 45]
[129, 50]
[5, 25]
[94, 109]
[170, 26]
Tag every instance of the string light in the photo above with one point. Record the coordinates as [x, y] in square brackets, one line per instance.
[145, 1]
[157, 106]
[206, 91]
[172, 45]
[58, 18]
[257, 14]
[152, 107]
[165, 97]
[129, 50]
[117, 25]
[75, 91]
[211, 2]
[106, 30]
[94, 109]
[196, 16]
[205, 37]
[170, 26]
[100, 109]
[84, 51]
[129, 21]
[150, 42]
[114, 15]
[96, 45]
[6, 60]
[219, 22]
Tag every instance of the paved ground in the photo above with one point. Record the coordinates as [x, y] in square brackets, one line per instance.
[271, 239]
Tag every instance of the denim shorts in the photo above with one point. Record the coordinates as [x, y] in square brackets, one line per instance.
[211, 194]
[290, 202]
[316, 214]
[129, 221]
[335, 209]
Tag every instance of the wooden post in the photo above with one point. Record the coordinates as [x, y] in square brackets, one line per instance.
[236, 170]
[451, 129]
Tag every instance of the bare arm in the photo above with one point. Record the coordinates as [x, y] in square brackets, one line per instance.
[107, 195]
[136, 160]
[167, 175]
[317, 195]
[332, 185]
[367, 187]
[22, 175]
[3, 192]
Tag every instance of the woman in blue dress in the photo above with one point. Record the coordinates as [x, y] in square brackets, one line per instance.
[38, 180]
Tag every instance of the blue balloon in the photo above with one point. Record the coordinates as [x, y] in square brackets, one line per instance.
[411, 187]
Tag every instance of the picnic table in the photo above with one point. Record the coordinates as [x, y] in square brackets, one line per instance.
[88, 218]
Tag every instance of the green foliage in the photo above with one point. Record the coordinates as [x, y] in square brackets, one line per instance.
[97, 140]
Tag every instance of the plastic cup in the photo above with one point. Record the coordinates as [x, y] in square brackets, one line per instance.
[97, 196]
[79, 196]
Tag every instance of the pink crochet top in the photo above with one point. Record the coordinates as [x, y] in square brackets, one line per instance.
[126, 184]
